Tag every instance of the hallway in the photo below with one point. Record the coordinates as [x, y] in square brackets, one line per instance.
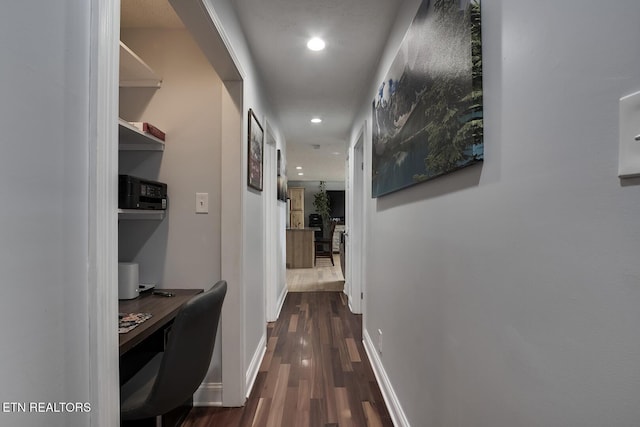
[315, 372]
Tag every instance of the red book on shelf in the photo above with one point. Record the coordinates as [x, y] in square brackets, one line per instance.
[150, 129]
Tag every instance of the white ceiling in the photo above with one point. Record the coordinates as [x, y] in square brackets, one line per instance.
[299, 83]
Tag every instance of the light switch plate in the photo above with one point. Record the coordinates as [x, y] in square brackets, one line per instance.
[629, 150]
[202, 202]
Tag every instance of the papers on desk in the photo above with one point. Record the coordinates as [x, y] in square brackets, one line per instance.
[129, 321]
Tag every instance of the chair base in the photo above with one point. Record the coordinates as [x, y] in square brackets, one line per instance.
[173, 418]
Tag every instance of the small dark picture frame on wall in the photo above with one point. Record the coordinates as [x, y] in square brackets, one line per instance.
[255, 152]
[281, 185]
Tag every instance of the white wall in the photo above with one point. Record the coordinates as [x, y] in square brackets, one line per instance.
[508, 292]
[44, 231]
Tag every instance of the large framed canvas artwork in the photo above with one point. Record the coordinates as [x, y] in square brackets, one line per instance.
[427, 113]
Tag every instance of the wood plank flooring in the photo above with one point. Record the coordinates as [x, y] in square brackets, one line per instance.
[315, 372]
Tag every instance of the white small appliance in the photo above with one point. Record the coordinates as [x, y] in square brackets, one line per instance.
[128, 280]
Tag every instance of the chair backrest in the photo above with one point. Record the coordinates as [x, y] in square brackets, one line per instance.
[329, 237]
[332, 228]
[189, 348]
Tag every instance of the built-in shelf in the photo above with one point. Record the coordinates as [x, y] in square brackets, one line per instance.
[134, 72]
[133, 139]
[141, 214]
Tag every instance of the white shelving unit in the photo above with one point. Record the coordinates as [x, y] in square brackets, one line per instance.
[141, 214]
[134, 72]
[130, 138]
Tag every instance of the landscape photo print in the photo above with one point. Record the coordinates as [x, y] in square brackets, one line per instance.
[427, 114]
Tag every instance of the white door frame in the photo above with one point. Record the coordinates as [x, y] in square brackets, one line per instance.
[103, 204]
[271, 220]
[355, 224]
[348, 212]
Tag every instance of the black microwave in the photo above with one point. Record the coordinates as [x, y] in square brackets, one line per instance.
[137, 193]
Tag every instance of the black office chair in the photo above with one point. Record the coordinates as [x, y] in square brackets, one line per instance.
[171, 377]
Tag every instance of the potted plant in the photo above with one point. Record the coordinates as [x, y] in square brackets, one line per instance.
[321, 205]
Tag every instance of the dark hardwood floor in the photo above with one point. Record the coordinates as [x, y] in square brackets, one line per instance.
[315, 372]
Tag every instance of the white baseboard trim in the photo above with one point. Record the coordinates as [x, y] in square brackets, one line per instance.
[344, 291]
[390, 398]
[254, 366]
[280, 302]
[208, 394]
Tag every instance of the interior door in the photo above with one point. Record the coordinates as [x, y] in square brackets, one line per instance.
[354, 234]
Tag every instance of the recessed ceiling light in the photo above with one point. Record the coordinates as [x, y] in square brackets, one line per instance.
[316, 44]
[336, 153]
[300, 173]
[316, 120]
[298, 167]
